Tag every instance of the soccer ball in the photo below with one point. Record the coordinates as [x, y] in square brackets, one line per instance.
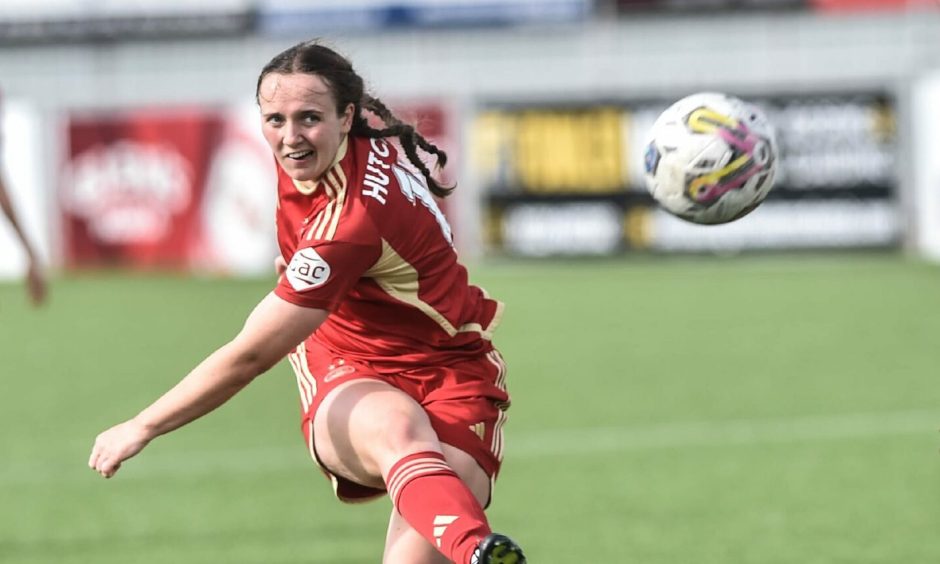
[711, 158]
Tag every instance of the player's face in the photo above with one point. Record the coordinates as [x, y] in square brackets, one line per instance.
[300, 121]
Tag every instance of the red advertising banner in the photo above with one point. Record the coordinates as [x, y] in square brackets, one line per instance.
[186, 188]
[133, 186]
[183, 188]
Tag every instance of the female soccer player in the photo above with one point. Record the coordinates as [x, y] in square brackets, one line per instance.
[401, 390]
[35, 279]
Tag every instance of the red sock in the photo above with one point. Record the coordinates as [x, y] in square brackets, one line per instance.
[436, 502]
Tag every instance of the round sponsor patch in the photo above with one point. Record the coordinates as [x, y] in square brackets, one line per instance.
[307, 270]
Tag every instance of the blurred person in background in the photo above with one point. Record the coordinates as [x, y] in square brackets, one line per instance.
[35, 278]
[401, 390]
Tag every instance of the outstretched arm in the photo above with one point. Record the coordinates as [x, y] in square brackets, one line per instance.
[35, 279]
[272, 330]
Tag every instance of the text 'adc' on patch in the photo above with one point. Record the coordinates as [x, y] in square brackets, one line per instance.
[307, 270]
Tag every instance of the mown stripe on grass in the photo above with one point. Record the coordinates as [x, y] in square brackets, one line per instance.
[164, 463]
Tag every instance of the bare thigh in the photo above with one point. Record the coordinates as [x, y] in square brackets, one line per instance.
[364, 426]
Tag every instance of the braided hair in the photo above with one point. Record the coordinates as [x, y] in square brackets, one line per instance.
[347, 87]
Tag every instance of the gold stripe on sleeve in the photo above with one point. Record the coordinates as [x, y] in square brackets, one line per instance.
[339, 185]
[316, 223]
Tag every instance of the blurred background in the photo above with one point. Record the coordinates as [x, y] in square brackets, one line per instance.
[130, 130]
[759, 392]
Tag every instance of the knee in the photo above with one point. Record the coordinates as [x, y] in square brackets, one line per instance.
[400, 432]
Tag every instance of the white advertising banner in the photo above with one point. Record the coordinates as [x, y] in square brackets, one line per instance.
[77, 9]
[240, 199]
[577, 228]
[926, 159]
[785, 225]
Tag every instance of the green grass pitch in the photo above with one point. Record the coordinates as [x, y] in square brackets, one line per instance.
[775, 409]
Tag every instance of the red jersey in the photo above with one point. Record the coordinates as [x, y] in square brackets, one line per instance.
[368, 243]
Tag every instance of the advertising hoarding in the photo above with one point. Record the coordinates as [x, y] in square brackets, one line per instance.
[838, 154]
[187, 188]
[166, 188]
[926, 149]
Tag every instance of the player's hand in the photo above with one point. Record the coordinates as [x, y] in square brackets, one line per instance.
[116, 445]
[35, 284]
[280, 265]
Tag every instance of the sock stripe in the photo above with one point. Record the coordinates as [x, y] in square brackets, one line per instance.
[411, 471]
[411, 465]
[402, 479]
[428, 456]
[407, 470]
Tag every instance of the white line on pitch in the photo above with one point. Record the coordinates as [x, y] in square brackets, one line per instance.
[158, 463]
[725, 433]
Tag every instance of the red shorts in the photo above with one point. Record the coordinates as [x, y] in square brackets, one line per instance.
[466, 403]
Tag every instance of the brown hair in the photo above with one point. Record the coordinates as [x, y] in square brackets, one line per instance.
[310, 57]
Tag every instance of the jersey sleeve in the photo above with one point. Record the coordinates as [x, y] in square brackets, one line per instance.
[321, 272]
